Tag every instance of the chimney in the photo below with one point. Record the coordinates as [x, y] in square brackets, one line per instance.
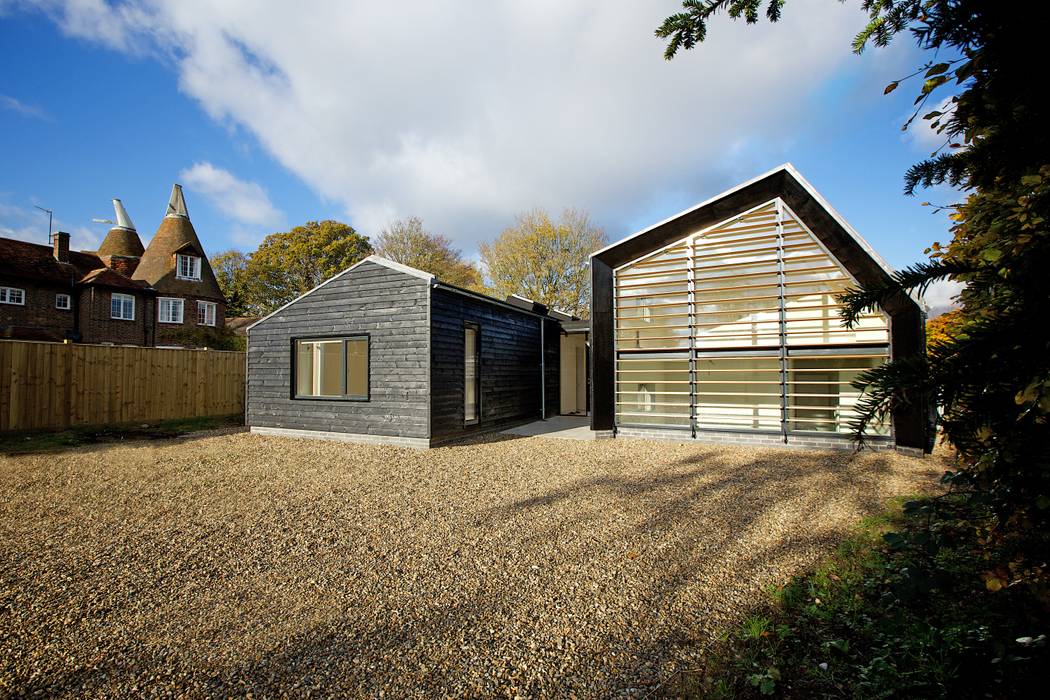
[61, 246]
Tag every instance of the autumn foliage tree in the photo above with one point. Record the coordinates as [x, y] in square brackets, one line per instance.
[287, 265]
[545, 260]
[409, 243]
[231, 272]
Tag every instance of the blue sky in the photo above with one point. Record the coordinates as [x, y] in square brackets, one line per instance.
[560, 108]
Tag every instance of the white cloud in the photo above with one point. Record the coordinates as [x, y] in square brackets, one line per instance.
[244, 202]
[26, 223]
[465, 113]
[921, 132]
[26, 110]
[940, 297]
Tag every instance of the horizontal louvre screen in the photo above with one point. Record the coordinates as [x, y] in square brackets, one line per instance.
[653, 390]
[738, 297]
[738, 393]
[820, 396]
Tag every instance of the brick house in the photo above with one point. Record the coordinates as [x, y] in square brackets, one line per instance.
[121, 294]
[176, 266]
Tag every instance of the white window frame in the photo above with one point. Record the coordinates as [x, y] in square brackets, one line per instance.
[7, 292]
[123, 299]
[209, 308]
[192, 262]
[160, 309]
[59, 298]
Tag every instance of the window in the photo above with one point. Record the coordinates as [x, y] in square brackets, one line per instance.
[11, 295]
[188, 267]
[169, 310]
[122, 307]
[331, 368]
[205, 313]
[471, 365]
[62, 302]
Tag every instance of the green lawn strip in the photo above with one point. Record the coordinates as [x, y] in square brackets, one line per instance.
[902, 608]
[48, 441]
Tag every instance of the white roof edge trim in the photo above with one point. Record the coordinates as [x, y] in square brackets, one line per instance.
[378, 260]
[793, 171]
[518, 296]
[786, 166]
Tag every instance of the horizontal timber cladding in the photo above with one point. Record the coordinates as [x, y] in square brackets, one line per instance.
[391, 308]
[509, 371]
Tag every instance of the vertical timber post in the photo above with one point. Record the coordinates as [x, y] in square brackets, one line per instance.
[782, 325]
[693, 331]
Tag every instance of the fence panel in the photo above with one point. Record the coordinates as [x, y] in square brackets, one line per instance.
[58, 385]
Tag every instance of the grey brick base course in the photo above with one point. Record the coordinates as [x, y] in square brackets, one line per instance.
[416, 443]
[754, 439]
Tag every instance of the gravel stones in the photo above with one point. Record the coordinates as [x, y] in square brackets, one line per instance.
[513, 567]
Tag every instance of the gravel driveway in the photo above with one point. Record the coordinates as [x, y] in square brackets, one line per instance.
[241, 564]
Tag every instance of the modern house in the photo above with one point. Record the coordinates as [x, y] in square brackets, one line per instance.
[721, 323]
[122, 294]
[387, 353]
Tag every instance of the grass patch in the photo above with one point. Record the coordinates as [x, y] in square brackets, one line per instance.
[907, 606]
[49, 441]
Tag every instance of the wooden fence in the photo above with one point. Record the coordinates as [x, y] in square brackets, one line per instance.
[57, 385]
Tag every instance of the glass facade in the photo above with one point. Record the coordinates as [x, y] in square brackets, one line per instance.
[737, 327]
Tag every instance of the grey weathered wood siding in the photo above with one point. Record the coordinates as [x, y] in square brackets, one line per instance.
[392, 308]
[510, 364]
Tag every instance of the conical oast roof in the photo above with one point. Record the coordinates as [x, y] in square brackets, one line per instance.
[122, 239]
[176, 235]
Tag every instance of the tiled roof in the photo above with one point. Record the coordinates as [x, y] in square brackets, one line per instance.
[37, 262]
[157, 266]
[105, 277]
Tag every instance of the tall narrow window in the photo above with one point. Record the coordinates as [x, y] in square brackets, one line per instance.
[331, 368]
[471, 385]
[206, 313]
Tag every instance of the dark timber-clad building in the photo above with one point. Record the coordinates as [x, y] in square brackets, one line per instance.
[387, 353]
[721, 323]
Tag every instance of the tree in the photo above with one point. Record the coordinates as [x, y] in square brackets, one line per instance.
[407, 242]
[544, 260]
[940, 329]
[991, 375]
[231, 272]
[287, 265]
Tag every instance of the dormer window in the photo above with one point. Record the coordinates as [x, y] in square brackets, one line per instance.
[188, 267]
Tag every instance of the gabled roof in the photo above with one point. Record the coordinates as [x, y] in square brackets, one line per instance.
[785, 182]
[376, 259]
[105, 277]
[35, 262]
[157, 267]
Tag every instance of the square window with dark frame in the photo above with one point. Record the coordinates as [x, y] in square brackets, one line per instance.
[471, 378]
[62, 302]
[331, 368]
